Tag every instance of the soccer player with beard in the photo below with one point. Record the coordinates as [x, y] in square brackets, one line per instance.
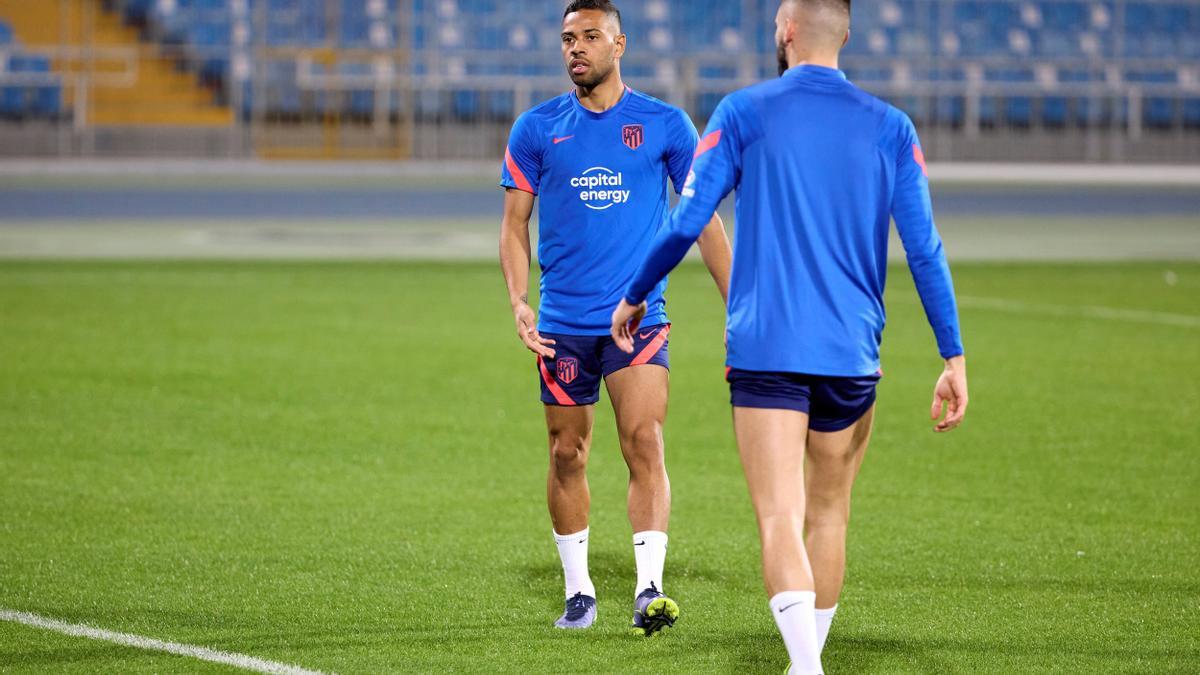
[821, 168]
[599, 158]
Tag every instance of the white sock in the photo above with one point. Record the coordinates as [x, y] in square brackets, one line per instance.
[573, 550]
[824, 621]
[794, 614]
[650, 552]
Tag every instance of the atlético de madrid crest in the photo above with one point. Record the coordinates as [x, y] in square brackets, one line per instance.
[633, 135]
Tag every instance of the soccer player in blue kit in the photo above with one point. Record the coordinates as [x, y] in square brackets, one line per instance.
[599, 158]
[820, 168]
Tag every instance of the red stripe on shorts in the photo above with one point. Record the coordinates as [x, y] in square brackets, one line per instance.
[559, 394]
[653, 348]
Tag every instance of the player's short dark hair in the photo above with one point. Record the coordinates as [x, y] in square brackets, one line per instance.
[605, 6]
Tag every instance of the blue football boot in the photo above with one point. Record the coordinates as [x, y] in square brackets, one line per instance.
[580, 612]
[653, 611]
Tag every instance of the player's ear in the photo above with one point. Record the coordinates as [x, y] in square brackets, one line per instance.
[846, 40]
[619, 41]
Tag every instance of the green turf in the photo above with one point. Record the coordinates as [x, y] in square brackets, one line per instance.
[342, 466]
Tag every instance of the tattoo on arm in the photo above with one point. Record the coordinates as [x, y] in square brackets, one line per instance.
[525, 298]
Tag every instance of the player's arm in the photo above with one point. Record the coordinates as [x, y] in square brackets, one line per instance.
[715, 172]
[912, 209]
[713, 242]
[515, 259]
[520, 176]
[717, 254]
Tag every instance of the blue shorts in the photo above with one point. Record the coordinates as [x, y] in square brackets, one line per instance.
[573, 377]
[831, 403]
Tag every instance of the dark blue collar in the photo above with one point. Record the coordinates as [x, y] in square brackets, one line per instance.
[816, 73]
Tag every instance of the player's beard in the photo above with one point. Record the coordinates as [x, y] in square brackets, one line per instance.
[593, 78]
[781, 54]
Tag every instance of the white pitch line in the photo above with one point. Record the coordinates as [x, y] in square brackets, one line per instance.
[1082, 312]
[203, 653]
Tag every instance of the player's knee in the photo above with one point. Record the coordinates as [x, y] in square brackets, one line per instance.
[785, 520]
[644, 449]
[826, 516]
[568, 453]
[645, 440]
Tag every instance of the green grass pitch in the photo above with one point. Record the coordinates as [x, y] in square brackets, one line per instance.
[341, 466]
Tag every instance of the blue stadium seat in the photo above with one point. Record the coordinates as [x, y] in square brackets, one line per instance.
[518, 38]
[6, 34]
[1191, 113]
[138, 11]
[12, 97]
[465, 104]
[1015, 109]
[359, 102]
[31, 100]
[282, 91]
[1158, 111]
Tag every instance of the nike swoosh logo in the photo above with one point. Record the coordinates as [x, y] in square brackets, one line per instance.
[583, 540]
[645, 336]
[564, 138]
[639, 543]
[784, 609]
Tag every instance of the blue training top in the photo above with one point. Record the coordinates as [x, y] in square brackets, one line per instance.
[602, 183]
[820, 169]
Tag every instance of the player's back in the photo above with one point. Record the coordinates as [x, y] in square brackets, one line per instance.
[814, 206]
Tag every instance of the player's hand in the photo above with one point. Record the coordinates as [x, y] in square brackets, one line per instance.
[528, 332]
[625, 322]
[950, 395]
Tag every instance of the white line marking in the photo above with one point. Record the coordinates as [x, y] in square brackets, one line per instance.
[203, 653]
[1081, 311]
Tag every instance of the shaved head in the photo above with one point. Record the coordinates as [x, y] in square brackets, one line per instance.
[811, 31]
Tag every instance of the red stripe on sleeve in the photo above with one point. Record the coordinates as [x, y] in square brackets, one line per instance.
[919, 156]
[708, 143]
[518, 177]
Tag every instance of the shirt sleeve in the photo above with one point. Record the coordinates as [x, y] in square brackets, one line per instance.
[681, 148]
[522, 167]
[912, 209]
[716, 170]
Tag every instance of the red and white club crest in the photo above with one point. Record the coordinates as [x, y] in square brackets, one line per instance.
[568, 370]
[633, 135]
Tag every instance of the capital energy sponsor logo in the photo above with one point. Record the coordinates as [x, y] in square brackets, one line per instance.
[601, 188]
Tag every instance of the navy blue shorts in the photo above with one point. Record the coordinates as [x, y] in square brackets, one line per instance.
[831, 403]
[573, 377]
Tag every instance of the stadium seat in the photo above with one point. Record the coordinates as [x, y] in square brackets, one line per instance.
[1191, 113]
[1158, 111]
[12, 102]
[138, 12]
[6, 34]
[464, 39]
[359, 102]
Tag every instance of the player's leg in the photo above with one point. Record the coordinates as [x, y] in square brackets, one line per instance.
[639, 397]
[842, 416]
[771, 445]
[570, 389]
[834, 459]
[638, 386]
[569, 499]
